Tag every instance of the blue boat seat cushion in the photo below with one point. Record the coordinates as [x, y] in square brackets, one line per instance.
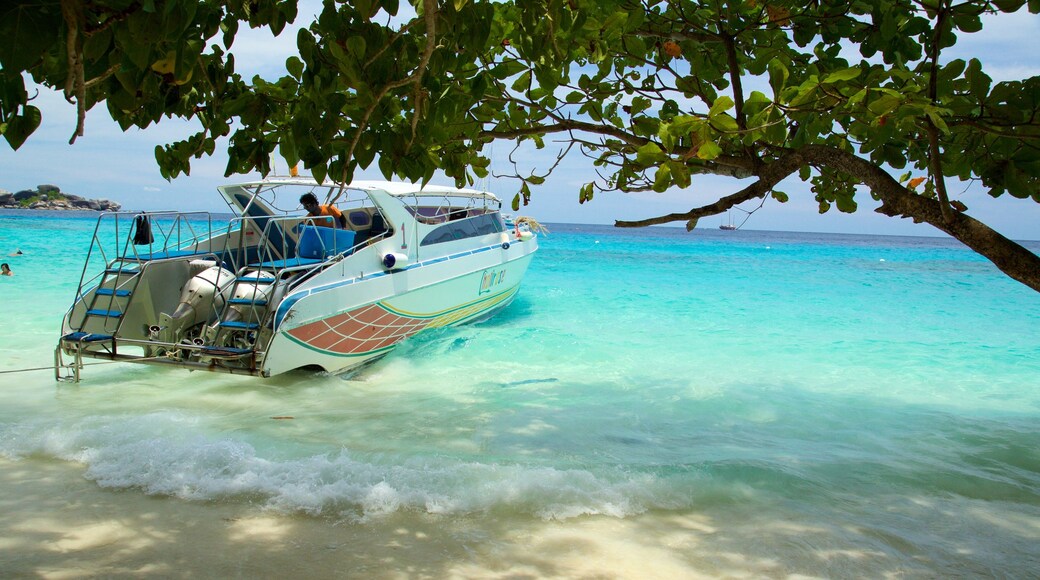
[320, 243]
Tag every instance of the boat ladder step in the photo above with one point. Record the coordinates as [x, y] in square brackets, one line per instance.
[248, 301]
[255, 280]
[112, 292]
[106, 313]
[117, 271]
[239, 325]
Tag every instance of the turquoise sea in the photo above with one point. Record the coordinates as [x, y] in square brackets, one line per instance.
[847, 406]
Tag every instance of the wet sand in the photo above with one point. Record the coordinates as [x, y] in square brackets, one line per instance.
[56, 524]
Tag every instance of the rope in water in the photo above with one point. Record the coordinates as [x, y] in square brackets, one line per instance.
[51, 368]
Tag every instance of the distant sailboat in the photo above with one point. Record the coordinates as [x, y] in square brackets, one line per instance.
[728, 226]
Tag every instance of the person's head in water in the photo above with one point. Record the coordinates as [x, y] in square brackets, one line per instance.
[310, 203]
[5, 270]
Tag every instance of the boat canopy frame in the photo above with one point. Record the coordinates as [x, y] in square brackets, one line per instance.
[416, 192]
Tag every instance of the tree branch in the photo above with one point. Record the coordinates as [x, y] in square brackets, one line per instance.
[75, 86]
[896, 201]
[768, 176]
[430, 17]
[934, 157]
[734, 79]
[730, 166]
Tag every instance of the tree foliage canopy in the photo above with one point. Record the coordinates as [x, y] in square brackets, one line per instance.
[843, 93]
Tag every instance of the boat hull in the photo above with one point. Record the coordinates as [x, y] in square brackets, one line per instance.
[338, 325]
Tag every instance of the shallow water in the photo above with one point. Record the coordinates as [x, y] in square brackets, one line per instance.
[807, 394]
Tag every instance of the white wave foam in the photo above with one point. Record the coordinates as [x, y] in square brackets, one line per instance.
[156, 454]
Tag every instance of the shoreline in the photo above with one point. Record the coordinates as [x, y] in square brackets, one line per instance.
[57, 524]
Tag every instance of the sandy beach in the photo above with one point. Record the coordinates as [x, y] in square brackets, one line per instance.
[56, 524]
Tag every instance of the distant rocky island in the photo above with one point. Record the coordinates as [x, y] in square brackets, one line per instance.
[51, 197]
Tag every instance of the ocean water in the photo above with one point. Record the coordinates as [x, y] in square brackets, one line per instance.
[812, 396]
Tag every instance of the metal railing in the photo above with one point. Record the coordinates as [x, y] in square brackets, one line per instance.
[111, 242]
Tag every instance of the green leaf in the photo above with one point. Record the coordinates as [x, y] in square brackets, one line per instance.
[842, 75]
[725, 123]
[757, 97]
[28, 34]
[356, 47]
[639, 104]
[937, 120]
[319, 171]
[708, 151]
[721, 104]
[21, 126]
[978, 81]
[523, 83]
[585, 193]
[650, 154]
[967, 20]
[858, 97]
[663, 178]
[363, 7]
[295, 67]
[1009, 5]
[884, 104]
[506, 69]
[778, 75]
[780, 196]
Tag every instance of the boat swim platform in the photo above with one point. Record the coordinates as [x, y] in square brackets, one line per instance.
[100, 346]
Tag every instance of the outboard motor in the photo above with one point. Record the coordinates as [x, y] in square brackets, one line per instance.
[201, 299]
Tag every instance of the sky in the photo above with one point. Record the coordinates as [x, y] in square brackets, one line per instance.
[108, 163]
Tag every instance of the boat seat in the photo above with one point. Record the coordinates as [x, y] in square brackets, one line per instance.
[164, 255]
[377, 229]
[316, 245]
[318, 242]
[86, 337]
[288, 263]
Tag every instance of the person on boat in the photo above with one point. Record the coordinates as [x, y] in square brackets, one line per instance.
[336, 217]
[5, 270]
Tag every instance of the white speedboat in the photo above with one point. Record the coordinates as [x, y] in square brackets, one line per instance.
[275, 289]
